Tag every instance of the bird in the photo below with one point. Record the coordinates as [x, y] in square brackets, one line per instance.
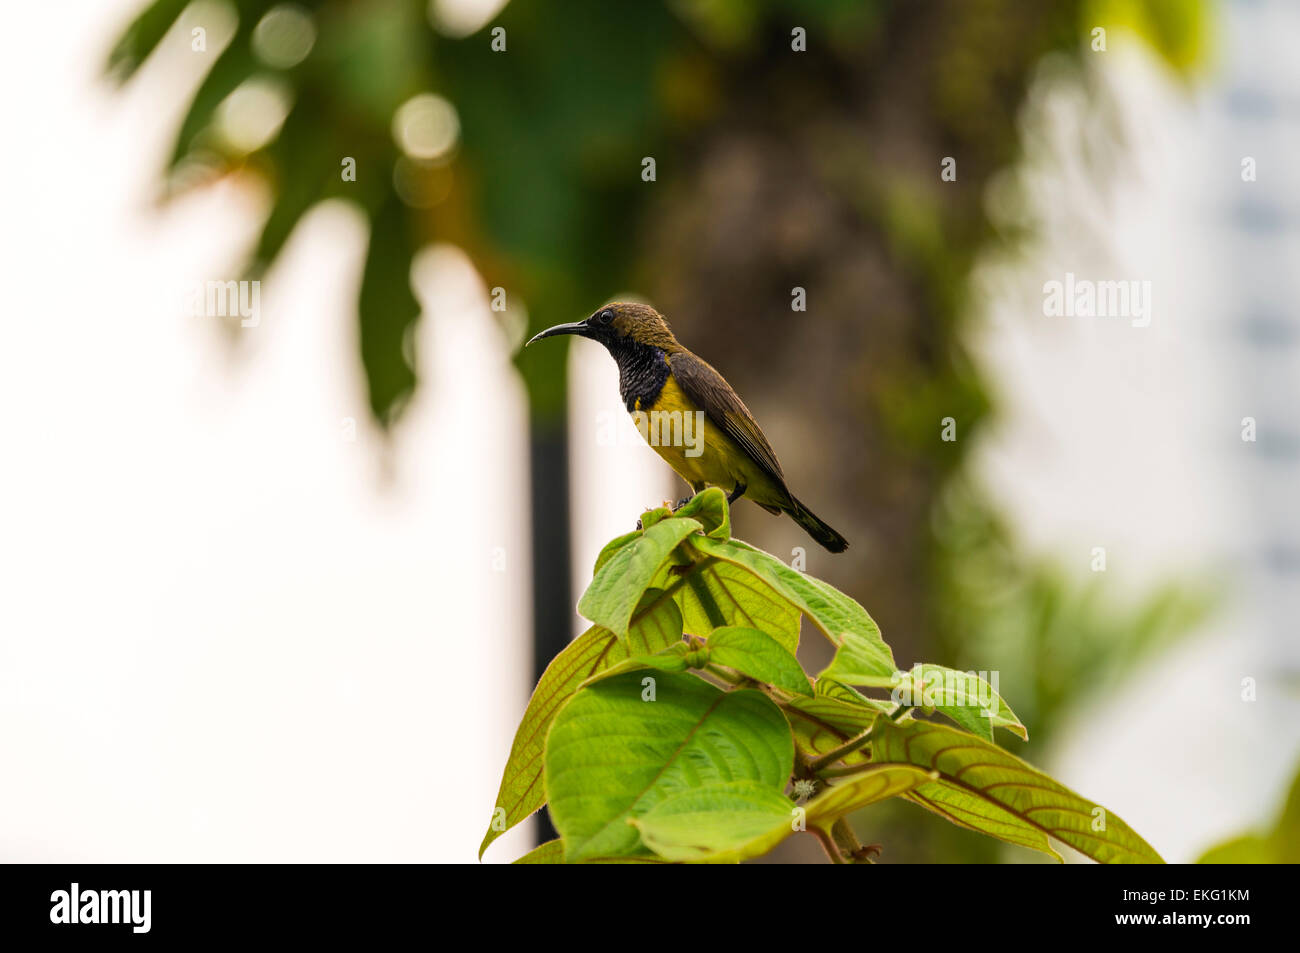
[666, 388]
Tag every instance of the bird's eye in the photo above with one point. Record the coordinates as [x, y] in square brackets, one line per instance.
[606, 316]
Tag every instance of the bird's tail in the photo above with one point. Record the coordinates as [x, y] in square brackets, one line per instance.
[816, 528]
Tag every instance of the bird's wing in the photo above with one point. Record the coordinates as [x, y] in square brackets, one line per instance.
[708, 390]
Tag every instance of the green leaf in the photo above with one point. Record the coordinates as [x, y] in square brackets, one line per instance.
[614, 592]
[233, 66]
[1248, 849]
[1179, 31]
[675, 658]
[964, 697]
[860, 649]
[388, 310]
[142, 37]
[759, 656]
[831, 717]
[871, 785]
[710, 508]
[613, 546]
[552, 852]
[736, 820]
[1279, 846]
[838, 691]
[658, 514]
[306, 169]
[612, 756]
[374, 56]
[739, 598]
[984, 788]
[657, 625]
[721, 823]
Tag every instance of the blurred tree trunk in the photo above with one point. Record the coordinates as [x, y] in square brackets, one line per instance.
[823, 173]
[551, 535]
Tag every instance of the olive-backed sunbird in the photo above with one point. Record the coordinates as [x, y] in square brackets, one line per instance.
[659, 379]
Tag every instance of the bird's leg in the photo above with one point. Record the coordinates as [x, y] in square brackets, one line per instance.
[737, 493]
[674, 507]
[686, 499]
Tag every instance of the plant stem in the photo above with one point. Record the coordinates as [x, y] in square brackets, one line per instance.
[846, 840]
[822, 763]
[846, 771]
[828, 845]
[836, 754]
[728, 677]
[897, 714]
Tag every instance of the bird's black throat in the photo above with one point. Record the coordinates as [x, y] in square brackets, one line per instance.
[642, 371]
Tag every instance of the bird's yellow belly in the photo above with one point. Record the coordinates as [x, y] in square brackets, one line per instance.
[701, 453]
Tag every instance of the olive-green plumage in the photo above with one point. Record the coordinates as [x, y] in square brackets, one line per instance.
[666, 388]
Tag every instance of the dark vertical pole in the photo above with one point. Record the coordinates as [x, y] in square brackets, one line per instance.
[552, 595]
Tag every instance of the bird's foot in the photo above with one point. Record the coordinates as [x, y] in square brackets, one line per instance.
[671, 506]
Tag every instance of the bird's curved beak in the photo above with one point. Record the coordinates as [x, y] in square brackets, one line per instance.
[577, 327]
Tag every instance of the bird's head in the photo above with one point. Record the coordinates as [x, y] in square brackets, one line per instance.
[619, 324]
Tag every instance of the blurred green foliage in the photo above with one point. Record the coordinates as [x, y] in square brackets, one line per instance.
[541, 188]
[1051, 638]
[546, 195]
[1280, 845]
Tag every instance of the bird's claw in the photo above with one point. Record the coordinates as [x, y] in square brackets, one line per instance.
[669, 505]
